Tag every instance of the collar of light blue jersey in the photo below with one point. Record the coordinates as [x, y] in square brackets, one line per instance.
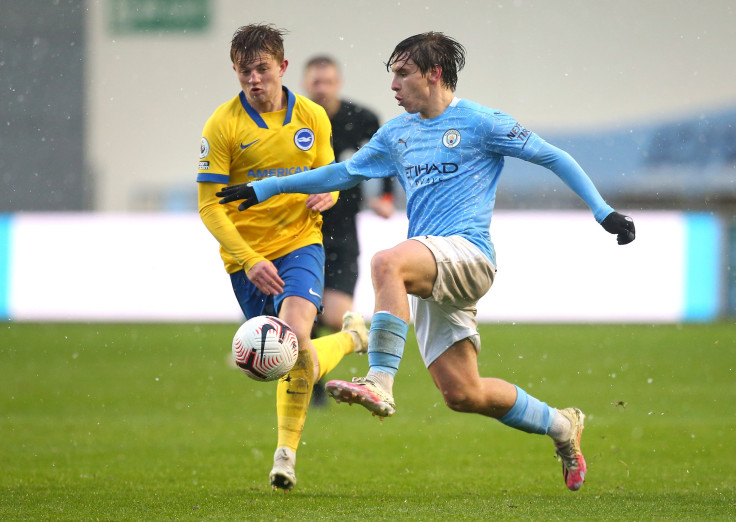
[290, 100]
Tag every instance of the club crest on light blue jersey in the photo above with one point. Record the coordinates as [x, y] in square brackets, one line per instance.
[451, 138]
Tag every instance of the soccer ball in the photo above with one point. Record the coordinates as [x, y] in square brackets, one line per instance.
[265, 348]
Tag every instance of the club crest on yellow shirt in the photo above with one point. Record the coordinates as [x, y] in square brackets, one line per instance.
[304, 138]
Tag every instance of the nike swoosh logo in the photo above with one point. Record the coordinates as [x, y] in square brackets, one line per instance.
[312, 292]
[243, 147]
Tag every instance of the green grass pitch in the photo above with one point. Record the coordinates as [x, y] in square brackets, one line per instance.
[148, 422]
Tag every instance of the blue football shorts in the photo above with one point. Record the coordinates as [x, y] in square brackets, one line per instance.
[303, 274]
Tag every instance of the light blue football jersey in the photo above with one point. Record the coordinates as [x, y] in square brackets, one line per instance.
[449, 167]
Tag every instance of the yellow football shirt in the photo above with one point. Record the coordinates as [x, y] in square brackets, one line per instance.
[239, 145]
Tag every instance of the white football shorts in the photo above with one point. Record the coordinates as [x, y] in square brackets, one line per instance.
[464, 275]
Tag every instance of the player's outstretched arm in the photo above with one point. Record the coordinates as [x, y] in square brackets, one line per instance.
[568, 170]
[324, 179]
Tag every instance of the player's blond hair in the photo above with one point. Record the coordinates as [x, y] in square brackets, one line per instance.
[251, 40]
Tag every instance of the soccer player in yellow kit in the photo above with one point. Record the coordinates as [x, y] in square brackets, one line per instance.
[273, 252]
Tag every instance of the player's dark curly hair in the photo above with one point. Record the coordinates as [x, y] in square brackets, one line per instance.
[430, 49]
[251, 40]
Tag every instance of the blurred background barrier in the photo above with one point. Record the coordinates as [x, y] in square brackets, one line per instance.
[553, 267]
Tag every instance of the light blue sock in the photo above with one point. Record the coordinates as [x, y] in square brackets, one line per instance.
[529, 414]
[386, 340]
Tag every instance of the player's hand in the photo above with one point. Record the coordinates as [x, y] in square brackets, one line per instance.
[320, 202]
[621, 225]
[266, 278]
[244, 191]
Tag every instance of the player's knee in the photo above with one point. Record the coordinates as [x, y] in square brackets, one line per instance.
[383, 264]
[459, 399]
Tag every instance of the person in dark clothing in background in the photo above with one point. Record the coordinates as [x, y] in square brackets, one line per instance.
[352, 126]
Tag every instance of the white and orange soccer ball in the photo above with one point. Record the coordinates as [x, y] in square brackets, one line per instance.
[265, 348]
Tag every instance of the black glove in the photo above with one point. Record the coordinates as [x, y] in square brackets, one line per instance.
[243, 191]
[616, 223]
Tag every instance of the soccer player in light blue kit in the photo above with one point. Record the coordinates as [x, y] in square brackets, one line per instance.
[448, 154]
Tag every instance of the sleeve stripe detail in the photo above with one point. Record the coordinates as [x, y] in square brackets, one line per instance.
[214, 178]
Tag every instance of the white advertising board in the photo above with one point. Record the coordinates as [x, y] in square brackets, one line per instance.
[552, 267]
